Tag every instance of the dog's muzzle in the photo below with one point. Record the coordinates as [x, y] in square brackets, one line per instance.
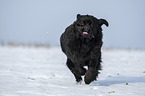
[87, 35]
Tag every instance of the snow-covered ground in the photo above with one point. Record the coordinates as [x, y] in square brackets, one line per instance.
[42, 72]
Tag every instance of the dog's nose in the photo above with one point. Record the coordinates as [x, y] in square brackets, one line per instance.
[86, 28]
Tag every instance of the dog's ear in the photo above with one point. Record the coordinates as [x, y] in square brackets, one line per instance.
[78, 16]
[103, 21]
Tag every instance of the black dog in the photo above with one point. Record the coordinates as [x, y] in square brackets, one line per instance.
[81, 42]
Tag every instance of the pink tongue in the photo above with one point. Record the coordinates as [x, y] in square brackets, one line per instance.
[85, 32]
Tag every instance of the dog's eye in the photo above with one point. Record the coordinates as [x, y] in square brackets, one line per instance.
[78, 24]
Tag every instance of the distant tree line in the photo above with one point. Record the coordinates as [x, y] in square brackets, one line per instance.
[16, 44]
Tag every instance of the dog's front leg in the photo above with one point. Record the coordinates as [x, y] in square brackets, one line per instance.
[94, 66]
[91, 73]
[74, 69]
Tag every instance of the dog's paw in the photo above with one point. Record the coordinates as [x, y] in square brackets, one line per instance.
[79, 83]
[90, 76]
[78, 78]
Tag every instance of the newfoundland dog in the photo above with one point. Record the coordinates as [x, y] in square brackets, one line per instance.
[81, 42]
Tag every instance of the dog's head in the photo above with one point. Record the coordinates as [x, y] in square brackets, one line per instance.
[88, 26]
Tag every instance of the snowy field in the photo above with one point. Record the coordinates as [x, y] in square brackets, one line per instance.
[42, 72]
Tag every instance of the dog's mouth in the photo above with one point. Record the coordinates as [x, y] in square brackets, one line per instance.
[87, 35]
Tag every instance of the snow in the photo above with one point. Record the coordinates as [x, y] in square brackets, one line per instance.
[42, 72]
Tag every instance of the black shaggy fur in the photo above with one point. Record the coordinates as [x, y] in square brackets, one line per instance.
[81, 42]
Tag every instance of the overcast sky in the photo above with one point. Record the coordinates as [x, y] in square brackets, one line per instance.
[43, 21]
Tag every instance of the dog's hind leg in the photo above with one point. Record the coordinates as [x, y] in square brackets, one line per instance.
[74, 70]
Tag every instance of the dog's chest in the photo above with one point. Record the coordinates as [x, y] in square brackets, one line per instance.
[82, 51]
[83, 48]
[82, 58]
